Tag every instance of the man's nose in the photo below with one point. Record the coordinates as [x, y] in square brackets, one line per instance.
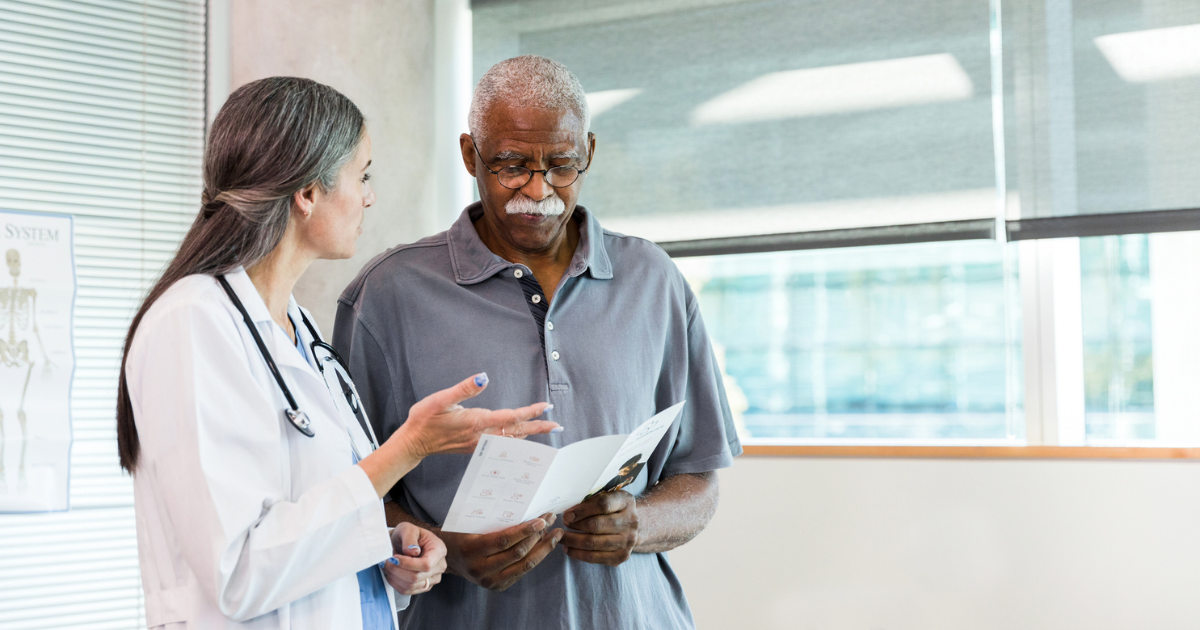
[537, 188]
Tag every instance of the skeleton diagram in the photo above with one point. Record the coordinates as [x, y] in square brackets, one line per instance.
[18, 320]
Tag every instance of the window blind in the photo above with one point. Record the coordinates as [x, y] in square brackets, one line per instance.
[101, 117]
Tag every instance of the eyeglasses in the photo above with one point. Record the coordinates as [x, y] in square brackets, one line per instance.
[514, 177]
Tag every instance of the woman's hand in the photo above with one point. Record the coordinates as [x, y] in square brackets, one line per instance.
[419, 560]
[438, 424]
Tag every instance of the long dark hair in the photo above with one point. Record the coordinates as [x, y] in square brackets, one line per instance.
[272, 138]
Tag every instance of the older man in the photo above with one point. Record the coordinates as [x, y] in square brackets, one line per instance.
[527, 286]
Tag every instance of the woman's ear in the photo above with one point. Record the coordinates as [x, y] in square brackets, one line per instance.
[304, 201]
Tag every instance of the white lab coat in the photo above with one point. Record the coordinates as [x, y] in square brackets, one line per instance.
[242, 521]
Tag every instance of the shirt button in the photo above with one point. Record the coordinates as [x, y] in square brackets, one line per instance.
[554, 355]
[537, 299]
[518, 273]
[549, 325]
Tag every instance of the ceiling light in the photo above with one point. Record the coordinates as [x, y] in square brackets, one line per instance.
[600, 102]
[1153, 55]
[852, 87]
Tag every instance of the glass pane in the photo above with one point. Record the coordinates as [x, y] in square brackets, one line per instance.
[1137, 82]
[902, 342]
[752, 117]
[1140, 338]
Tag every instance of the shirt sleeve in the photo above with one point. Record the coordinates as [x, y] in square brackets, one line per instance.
[212, 448]
[707, 439]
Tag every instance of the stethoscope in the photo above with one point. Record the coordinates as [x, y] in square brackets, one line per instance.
[331, 359]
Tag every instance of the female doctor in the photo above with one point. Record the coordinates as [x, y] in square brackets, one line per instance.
[257, 483]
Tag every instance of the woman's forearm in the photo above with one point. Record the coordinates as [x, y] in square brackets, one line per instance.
[391, 461]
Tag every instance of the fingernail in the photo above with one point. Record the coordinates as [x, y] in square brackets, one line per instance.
[411, 547]
[539, 526]
[568, 517]
[394, 561]
[481, 380]
[557, 430]
[548, 408]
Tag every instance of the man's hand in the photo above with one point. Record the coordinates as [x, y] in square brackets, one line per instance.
[607, 525]
[418, 562]
[496, 561]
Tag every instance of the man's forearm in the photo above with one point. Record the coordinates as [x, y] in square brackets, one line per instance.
[674, 511]
[396, 515]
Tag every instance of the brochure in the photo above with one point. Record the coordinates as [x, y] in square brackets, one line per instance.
[510, 481]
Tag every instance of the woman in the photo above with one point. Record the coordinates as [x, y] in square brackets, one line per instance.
[257, 493]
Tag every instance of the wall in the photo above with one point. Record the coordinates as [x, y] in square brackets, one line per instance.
[380, 54]
[865, 544]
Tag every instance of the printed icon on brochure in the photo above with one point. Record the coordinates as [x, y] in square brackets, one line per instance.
[506, 515]
[494, 473]
[515, 497]
[503, 454]
[477, 512]
[485, 493]
[525, 476]
[533, 458]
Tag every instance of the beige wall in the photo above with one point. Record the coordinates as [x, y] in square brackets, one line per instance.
[867, 544]
[380, 54]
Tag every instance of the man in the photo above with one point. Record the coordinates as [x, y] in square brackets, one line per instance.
[527, 287]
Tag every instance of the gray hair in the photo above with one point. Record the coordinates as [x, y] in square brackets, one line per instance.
[272, 138]
[527, 81]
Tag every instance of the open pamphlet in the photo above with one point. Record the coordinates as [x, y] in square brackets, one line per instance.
[510, 481]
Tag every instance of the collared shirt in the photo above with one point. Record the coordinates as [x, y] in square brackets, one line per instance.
[621, 340]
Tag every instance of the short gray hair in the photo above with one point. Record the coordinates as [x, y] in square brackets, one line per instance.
[527, 81]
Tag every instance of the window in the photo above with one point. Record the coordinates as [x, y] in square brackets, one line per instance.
[937, 222]
[102, 118]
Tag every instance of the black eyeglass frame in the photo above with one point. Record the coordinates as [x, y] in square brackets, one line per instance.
[544, 172]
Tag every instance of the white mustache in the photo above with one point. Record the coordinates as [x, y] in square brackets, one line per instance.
[551, 206]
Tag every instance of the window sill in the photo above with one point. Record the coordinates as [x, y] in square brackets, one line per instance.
[975, 452]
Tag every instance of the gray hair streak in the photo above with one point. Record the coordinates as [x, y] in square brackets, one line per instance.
[527, 81]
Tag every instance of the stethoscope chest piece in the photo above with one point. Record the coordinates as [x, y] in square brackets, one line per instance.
[299, 420]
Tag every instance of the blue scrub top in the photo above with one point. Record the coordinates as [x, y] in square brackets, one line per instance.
[376, 613]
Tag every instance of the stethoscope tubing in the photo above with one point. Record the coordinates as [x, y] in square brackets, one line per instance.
[294, 415]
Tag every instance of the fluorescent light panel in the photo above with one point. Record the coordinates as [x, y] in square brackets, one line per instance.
[604, 100]
[1157, 54]
[852, 87]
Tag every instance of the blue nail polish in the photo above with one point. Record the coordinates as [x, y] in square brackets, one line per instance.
[557, 430]
[548, 408]
[394, 561]
[481, 380]
[417, 547]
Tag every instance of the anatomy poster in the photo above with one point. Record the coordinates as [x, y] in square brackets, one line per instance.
[37, 294]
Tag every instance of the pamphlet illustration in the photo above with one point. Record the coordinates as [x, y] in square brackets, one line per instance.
[510, 481]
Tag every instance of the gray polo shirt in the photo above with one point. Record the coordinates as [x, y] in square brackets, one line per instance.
[622, 340]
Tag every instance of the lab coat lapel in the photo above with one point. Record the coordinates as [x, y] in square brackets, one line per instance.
[282, 350]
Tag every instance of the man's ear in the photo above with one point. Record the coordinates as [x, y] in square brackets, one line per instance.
[305, 200]
[591, 146]
[468, 152]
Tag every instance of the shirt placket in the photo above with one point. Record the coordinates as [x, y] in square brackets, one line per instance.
[542, 312]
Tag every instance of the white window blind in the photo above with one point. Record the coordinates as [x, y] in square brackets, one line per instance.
[101, 117]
